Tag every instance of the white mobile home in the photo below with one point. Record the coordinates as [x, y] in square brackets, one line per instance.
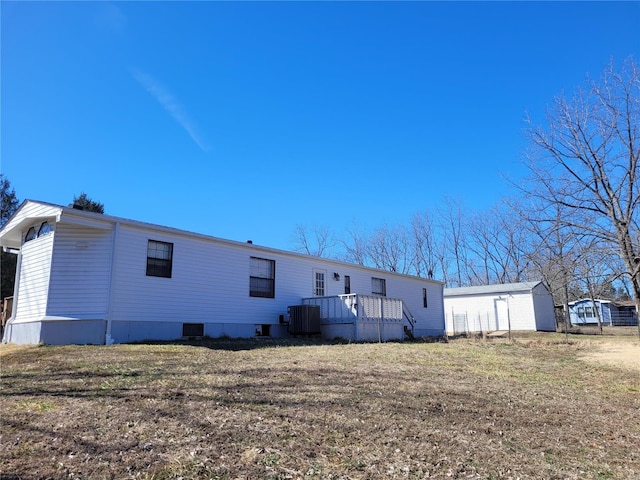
[510, 306]
[84, 277]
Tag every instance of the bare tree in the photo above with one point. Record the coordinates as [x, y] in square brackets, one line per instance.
[317, 241]
[453, 236]
[593, 271]
[390, 248]
[356, 246]
[555, 256]
[426, 245]
[586, 161]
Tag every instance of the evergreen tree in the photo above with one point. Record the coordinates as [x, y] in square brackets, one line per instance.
[83, 202]
[8, 205]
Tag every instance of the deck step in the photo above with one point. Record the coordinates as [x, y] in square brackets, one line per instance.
[408, 332]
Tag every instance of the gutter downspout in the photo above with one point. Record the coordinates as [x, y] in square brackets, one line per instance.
[107, 336]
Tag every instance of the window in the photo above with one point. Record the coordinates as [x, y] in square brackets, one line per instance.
[378, 286]
[159, 259]
[31, 234]
[580, 312]
[44, 229]
[347, 284]
[588, 312]
[262, 278]
[318, 282]
[424, 298]
[193, 329]
[35, 231]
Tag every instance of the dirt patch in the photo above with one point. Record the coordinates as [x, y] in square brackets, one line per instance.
[621, 355]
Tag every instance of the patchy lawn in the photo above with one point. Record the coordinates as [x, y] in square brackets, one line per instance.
[530, 409]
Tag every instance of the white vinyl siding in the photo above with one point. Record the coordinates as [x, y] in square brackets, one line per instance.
[211, 281]
[33, 287]
[545, 316]
[529, 309]
[89, 276]
[80, 272]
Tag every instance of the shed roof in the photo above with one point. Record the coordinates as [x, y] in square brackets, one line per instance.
[490, 289]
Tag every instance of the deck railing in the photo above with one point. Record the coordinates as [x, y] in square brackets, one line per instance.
[358, 309]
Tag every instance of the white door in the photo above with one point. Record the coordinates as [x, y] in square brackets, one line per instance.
[319, 282]
[502, 314]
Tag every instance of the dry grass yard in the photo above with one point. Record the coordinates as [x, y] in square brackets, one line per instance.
[533, 408]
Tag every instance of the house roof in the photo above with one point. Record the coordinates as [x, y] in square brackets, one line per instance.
[588, 300]
[10, 233]
[624, 303]
[491, 289]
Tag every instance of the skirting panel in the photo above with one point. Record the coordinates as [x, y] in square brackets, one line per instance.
[57, 332]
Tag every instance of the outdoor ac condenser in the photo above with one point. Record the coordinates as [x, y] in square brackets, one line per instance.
[304, 319]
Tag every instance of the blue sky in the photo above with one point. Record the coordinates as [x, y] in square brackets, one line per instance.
[243, 119]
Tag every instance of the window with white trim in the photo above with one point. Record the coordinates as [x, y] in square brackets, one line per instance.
[319, 281]
[262, 278]
[31, 234]
[37, 231]
[44, 229]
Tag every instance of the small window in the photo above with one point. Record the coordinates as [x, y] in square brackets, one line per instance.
[319, 277]
[262, 278]
[378, 287]
[44, 229]
[347, 284]
[588, 312]
[159, 259]
[424, 298]
[31, 234]
[193, 329]
[580, 312]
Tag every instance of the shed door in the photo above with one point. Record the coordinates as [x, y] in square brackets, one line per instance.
[502, 314]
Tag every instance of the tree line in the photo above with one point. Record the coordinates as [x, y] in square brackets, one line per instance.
[573, 221]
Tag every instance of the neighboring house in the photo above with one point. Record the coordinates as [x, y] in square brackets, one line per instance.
[612, 313]
[84, 277]
[510, 306]
[585, 312]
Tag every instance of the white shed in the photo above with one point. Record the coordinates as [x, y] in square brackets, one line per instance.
[84, 277]
[486, 308]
